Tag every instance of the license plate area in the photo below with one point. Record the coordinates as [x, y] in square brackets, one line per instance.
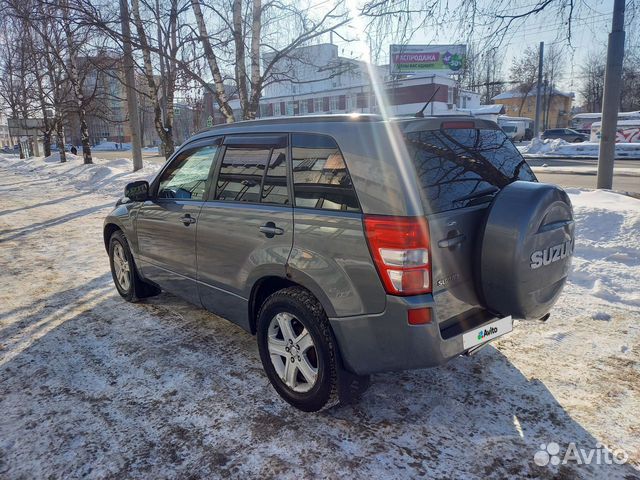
[487, 332]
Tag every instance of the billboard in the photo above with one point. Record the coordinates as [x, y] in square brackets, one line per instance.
[411, 59]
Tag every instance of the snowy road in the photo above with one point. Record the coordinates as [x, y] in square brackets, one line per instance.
[91, 386]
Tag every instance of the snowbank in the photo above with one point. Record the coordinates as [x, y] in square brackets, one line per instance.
[606, 265]
[561, 148]
[105, 176]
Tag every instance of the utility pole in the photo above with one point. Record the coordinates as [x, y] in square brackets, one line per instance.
[611, 97]
[488, 101]
[130, 83]
[539, 90]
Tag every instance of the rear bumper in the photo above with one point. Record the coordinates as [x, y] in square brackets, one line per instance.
[386, 342]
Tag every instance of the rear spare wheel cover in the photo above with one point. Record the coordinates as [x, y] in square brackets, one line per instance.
[526, 249]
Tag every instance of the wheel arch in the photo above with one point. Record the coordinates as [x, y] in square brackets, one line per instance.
[108, 231]
[268, 285]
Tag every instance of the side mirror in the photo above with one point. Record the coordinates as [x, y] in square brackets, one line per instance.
[137, 191]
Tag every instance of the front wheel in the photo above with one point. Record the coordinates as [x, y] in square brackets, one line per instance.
[298, 350]
[123, 270]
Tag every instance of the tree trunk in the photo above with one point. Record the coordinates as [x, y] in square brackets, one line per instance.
[60, 139]
[256, 79]
[241, 67]
[219, 91]
[46, 143]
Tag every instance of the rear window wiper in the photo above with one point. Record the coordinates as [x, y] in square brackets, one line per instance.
[481, 193]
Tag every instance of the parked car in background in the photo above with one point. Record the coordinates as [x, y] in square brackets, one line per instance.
[348, 245]
[566, 134]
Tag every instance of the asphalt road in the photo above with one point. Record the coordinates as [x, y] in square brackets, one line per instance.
[621, 183]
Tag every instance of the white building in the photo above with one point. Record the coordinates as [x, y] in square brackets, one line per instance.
[5, 138]
[316, 80]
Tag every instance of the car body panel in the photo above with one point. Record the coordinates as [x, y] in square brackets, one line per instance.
[330, 247]
[167, 247]
[231, 249]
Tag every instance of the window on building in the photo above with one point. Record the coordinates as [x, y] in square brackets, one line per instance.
[333, 104]
[317, 105]
[276, 109]
[362, 101]
[320, 176]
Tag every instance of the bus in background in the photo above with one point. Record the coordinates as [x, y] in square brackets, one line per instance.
[628, 131]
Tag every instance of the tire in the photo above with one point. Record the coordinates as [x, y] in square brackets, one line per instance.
[299, 309]
[129, 284]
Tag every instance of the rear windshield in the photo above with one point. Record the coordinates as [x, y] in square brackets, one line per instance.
[455, 166]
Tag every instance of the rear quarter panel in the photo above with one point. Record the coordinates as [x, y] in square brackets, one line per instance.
[331, 258]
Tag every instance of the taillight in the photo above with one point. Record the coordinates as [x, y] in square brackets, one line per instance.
[400, 249]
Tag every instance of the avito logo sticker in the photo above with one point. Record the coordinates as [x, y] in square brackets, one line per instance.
[486, 332]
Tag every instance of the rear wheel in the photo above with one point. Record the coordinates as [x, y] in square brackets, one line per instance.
[123, 270]
[297, 349]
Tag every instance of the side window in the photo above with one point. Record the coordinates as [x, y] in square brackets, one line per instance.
[320, 176]
[256, 175]
[186, 177]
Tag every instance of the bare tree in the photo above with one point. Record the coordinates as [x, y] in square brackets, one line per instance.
[524, 75]
[74, 79]
[17, 83]
[166, 83]
[262, 35]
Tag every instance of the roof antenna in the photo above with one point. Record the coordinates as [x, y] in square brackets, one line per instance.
[420, 114]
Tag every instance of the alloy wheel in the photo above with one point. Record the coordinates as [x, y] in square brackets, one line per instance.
[292, 352]
[121, 267]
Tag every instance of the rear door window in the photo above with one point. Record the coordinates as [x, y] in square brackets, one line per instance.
[456, 166]
[253, 174]
[320, 176]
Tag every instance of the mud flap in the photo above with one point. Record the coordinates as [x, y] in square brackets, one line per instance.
[351, 387]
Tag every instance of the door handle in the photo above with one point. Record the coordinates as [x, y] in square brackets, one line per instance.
[270, 230]
[187, 219]
[452, 242]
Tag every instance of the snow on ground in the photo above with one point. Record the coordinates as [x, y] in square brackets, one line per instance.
[561, 148]
[91, 386]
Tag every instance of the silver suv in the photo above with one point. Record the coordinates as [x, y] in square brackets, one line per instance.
[348, 245]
